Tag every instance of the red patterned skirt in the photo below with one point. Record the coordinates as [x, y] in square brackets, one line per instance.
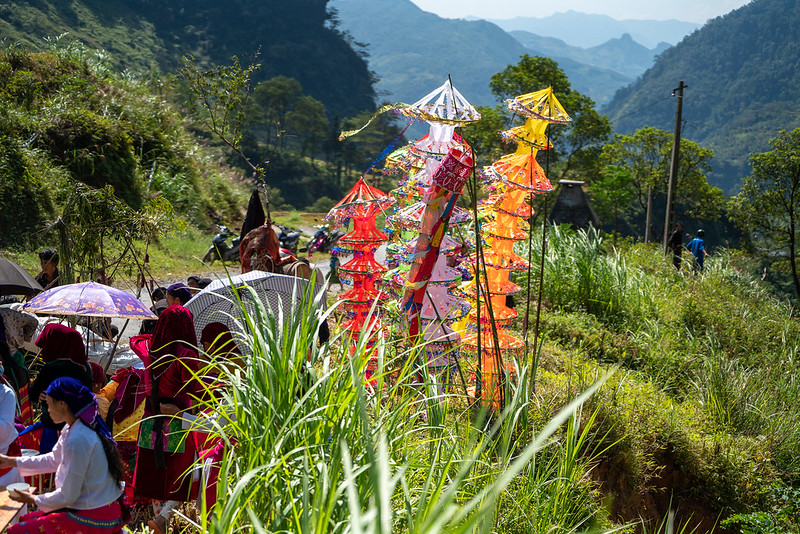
[104, 520]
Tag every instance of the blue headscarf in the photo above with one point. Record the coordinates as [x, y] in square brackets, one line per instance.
[81, 401]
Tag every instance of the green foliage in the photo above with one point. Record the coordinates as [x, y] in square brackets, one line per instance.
[753, 93]
[612, 193]
[219, 100]
[576, 147]
[72, 121]
[646, 154]
[783, 516]
[718, 352]
[322, 205]
[335, 458]
[298, 40]
[768, 206]
[482, 135]
[24, 201]
[99, 231]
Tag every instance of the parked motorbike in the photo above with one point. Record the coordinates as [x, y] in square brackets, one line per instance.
[324, 240]
[219, 249]
[289, 239]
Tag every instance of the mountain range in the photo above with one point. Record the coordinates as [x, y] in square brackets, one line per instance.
[586, 30]
[412, 51]
[621, 54]
[743, 76]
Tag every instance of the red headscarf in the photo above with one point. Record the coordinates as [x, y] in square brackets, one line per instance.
[98, 374]
[174, 326]
[220, 339]
[59, 342]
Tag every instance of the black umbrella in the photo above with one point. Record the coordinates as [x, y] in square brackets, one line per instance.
[14, 280]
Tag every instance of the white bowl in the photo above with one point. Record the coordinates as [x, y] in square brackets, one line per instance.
[16, 487]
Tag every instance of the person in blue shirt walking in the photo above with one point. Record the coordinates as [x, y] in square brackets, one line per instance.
[697, 247]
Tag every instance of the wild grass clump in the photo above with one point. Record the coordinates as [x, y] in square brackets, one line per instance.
[714, 353]
[314, 447]
[583, 276]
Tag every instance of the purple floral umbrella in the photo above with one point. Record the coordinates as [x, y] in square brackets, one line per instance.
[89, 299]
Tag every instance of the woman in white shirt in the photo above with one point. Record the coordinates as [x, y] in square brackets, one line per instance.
[8, 433]
[88, 471]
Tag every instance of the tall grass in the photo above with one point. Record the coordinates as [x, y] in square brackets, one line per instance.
[582, 276]
[719, 345]
[313, 448]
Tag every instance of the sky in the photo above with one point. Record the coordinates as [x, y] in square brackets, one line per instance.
[685, 10]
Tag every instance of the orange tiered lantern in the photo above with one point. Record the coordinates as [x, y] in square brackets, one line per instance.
[518, 175]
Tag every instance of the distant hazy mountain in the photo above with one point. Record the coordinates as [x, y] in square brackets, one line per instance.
[743, 77]
[623, 55]
[412, 52]
[585, 30]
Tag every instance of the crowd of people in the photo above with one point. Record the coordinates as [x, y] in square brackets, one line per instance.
[111, 442]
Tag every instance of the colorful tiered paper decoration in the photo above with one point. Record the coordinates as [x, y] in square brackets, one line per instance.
[517, 176]
[361, 205]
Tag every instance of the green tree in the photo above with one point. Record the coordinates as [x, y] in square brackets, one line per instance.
[220, 101]
[767, 208]
[646, 156]
[308, 121]
[612, 194]
[272, 100]
[482, 135]
[577, 146]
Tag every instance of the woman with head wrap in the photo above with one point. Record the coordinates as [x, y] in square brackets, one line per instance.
[164, 454]
[178, 294]
[88, 477]
[63, 354]
[223, 355]
[220, 347]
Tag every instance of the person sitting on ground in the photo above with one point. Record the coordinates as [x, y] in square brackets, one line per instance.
[178, 294]
[48, 277]
[64, 355]
[88, 481]
[98, 383]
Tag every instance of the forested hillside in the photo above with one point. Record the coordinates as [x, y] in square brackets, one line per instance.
[743, 86]
[296, 39]
[68, 122]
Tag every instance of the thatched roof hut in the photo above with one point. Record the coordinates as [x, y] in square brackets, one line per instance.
[572, 206]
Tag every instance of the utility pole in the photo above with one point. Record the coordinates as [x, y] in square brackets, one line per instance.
[673, 164]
